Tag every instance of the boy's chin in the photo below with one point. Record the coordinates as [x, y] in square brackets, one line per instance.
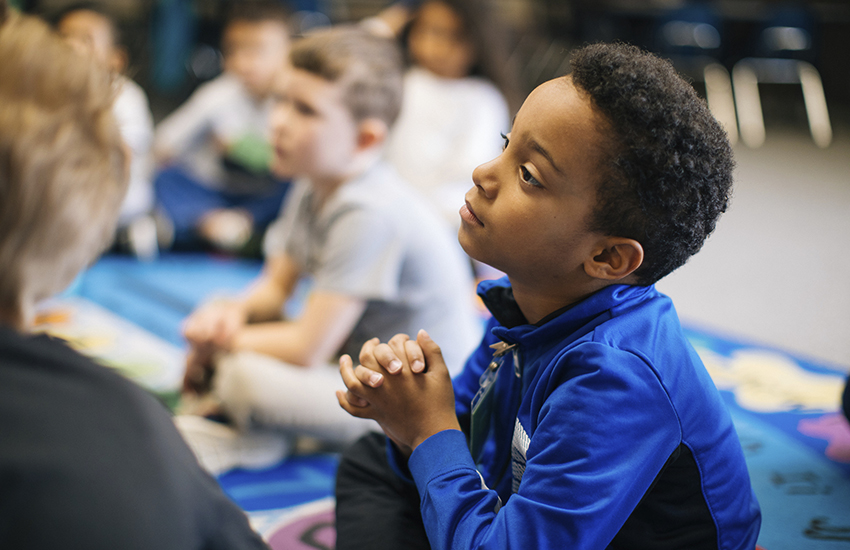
[281, 171]
[473, 252]
[259, 91]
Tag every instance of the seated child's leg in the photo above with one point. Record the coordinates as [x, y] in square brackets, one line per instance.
[375, 509]
[256, 388]
[846, 400]
[264, 208]
[184, 201]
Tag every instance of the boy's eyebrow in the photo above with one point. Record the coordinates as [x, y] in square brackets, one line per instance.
[539, 148]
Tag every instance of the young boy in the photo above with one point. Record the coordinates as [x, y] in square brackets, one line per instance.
[93, 33]
[217, 187]
[378, 257]
[588, 420]
[88, 459]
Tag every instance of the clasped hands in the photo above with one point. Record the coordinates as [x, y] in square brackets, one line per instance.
[404, 385]
[209, 330]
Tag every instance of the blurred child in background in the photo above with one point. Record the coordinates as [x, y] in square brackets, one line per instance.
[93, 32]
[88, 460]
[216, 187]
[380, 259]
[454, 108]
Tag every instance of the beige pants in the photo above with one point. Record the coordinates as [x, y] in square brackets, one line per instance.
[258, 390]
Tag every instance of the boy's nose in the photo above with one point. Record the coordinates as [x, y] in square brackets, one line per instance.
[281, 114]
[484, 178]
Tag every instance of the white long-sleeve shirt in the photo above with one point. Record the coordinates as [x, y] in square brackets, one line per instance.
[135, 123]
[220, 110]
[447, 127]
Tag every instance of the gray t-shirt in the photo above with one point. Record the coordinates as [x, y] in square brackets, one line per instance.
[376, 239]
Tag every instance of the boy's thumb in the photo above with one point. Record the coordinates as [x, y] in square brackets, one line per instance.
[433, 353]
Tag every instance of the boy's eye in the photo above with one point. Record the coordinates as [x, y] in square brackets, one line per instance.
[304, 109]
[504, 137]
[528, 178]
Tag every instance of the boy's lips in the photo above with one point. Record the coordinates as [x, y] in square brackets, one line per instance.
[280, 152]
[467, 214]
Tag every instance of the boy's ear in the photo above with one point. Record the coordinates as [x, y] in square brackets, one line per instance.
[371, 132]
[119, 58]
[616, 258]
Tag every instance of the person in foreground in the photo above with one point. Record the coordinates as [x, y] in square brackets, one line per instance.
[88, 460]
[585, 419]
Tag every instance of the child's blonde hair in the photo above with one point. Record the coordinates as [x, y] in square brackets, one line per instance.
[63, 167]
[369, 69]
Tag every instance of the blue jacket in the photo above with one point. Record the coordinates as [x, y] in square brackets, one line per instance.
[606, 432]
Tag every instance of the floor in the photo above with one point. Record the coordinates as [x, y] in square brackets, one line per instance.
[776, 270]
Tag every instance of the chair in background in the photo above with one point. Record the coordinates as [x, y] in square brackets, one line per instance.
[691, 38]
[783, 54]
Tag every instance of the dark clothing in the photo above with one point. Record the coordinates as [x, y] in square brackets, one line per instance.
[88, 460]
[185, 201]
[375, 508]
[845, 402]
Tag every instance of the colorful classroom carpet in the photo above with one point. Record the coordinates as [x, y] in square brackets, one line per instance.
[785, 408]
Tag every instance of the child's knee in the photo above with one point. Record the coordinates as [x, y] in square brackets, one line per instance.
[235, 386]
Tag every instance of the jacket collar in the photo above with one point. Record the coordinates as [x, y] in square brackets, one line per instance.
[563, 325]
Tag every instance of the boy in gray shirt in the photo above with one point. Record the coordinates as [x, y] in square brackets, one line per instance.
[380, 260]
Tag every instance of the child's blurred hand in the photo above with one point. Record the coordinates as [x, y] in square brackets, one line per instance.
[199, 369]
[210, 329]
[215, 324]
[409, 406]
[227, 228]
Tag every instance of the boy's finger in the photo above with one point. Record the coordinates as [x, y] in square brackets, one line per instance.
[415, 356]
[192, 331]
[369, 377]
[348, 407]
[433, 353]
[397, 341]
[370, 344]
[388, 358]
[367, 354]
[346, 371]
[219, 334]
[356, 400]
[344, 360]
[187, 328]
[350, 379]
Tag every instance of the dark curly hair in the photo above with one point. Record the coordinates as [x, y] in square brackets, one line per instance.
[669, 174]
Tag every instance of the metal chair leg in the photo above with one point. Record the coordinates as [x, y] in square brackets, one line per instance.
[815, 104]
[718, 92]
[748, 104]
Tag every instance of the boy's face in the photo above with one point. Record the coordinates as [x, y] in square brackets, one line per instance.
[90, 34]
[313, 131]
[255, 53]
[439, 42]
[529, 210]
